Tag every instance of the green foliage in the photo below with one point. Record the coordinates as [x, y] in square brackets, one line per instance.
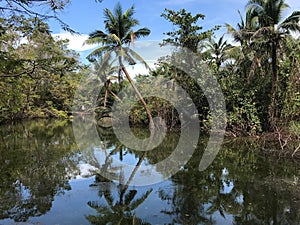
[187, 35]
[37, 73]
[40, 9]
[295, 127]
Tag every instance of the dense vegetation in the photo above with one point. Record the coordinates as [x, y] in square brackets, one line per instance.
[259, 74]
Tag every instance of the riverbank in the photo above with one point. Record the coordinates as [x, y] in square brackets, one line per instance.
[283, 142]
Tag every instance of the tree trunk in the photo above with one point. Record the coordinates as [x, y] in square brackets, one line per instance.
[151, 123]
[120, 74]
[105, 97]
[273, 107]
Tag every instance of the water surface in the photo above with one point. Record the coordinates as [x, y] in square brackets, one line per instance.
[46, 179]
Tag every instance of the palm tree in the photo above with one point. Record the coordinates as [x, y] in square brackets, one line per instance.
[218, 51]
[243, 33]
[117, 40]
[105, 69]
[266, 15]
[249, 54]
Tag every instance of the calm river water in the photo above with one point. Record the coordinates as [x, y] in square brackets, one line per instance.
[46, 179]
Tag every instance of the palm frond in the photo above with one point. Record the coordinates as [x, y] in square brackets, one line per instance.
[264, 33]
[109, 16]
[138, 58]
[114, 38]
[135, 204]
[97, 33]
[98, 52]
[129, 12]
[93, 41]
[118, 11]
[109, 199]
[130, 196]
[291, 23]
[142, 32]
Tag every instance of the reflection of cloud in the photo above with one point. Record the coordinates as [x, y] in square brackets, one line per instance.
[75, 41]
[86, 170]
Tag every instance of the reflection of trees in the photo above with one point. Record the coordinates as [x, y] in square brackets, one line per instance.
[35, 164]
[235, 184]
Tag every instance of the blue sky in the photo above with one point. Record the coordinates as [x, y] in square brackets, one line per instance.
[86, 16]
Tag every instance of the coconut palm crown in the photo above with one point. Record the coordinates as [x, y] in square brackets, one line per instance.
[119, 32]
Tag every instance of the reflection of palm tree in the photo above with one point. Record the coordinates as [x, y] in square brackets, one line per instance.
[120, 211]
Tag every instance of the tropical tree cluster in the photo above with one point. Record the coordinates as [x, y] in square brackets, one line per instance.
[37, 73]
[258, 73]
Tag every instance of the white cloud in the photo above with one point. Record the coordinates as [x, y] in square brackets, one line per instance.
[150, 50]
[76, 42]
[140, 69]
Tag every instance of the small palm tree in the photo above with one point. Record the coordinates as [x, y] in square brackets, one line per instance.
[266, 15]
[105, 70]
[117, 39]
[218, 51]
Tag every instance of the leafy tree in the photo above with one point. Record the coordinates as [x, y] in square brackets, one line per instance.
[37, 73]
[35, 8]
[187, 35]
[41, 9]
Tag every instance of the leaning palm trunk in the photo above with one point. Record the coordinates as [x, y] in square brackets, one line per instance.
[120, 74]
[151, 123]
[105, 98]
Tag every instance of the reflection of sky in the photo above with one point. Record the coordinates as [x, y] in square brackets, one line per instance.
[145, 174]
[71, 207]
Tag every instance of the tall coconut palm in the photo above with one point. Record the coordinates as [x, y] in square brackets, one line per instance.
[117, 40]
[248, 55]
[243, 33]
[271, 30]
